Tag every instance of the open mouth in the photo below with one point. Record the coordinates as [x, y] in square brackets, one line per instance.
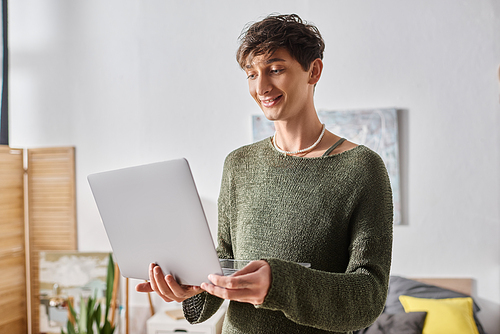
[271, 102]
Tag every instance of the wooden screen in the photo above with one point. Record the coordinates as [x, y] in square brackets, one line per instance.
[13, 314]
[51, 210]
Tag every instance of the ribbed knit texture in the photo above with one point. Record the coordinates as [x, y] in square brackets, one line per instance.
[334, 212]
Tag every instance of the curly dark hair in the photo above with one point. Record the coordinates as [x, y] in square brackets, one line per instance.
[302, 40]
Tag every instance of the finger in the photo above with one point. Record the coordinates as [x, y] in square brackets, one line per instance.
[239, 295]
[156, 280]
[196, 290]
[179, 291]
[143, 287]
[232, 282]
[251, 267]
[163, 289]
[152, 280]
[182, 292]
[245, 278]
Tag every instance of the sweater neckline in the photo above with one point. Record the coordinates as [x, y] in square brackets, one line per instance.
[271, 146]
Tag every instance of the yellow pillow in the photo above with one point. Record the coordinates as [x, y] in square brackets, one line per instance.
[453, 315]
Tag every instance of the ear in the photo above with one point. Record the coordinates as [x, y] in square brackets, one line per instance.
[315, 71]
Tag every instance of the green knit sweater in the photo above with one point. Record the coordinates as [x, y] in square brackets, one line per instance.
[334, 212]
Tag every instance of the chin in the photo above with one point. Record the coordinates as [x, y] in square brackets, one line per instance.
[270, 115]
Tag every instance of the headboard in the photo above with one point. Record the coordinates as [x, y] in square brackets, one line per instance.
[463, 285]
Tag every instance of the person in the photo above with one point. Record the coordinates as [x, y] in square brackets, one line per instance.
[305, 195]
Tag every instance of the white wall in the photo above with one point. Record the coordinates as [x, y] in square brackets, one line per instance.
[130, 82]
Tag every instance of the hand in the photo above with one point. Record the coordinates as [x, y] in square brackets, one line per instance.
[166, 286]
[249, 285]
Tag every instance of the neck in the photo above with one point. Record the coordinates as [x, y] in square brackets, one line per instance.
[294, 136]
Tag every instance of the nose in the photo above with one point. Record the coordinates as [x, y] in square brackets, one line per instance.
[263, 85]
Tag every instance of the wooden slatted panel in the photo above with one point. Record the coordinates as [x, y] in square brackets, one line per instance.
[13, 314]
[52, 210]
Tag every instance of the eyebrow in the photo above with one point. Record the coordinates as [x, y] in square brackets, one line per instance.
[268, 61]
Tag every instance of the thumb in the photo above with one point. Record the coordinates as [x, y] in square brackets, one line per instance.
[143, 287]
[250, 268]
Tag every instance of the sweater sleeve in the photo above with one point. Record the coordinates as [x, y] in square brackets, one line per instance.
[355, 298]
[201, 307]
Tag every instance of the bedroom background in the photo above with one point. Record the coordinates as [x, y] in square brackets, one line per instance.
[129, 82]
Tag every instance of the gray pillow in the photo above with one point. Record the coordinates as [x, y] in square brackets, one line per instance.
[403, 286]
[402, 323]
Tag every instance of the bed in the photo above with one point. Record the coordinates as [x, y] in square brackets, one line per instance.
[428, 306]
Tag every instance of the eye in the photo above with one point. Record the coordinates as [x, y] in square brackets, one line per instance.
[251, 76]
[276, 71]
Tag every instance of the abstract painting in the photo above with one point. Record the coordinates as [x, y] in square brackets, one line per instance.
[375, 128]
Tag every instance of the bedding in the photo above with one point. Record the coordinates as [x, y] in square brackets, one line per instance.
[449, 315]
[401, 323]
[400, 286]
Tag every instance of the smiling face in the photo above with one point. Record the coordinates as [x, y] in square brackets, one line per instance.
[280, 86]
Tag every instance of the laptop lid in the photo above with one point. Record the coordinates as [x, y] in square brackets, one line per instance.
[153, 214]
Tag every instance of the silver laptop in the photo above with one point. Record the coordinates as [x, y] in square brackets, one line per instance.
[153, 214]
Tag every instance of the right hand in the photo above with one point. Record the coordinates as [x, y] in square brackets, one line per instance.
[166, 286]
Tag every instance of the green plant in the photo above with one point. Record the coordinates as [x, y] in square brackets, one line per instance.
[90, 311]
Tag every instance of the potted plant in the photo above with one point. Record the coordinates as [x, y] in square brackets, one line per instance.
[90, 311]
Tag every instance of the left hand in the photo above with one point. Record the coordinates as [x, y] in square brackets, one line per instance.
[166, 286]
[248, 285]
